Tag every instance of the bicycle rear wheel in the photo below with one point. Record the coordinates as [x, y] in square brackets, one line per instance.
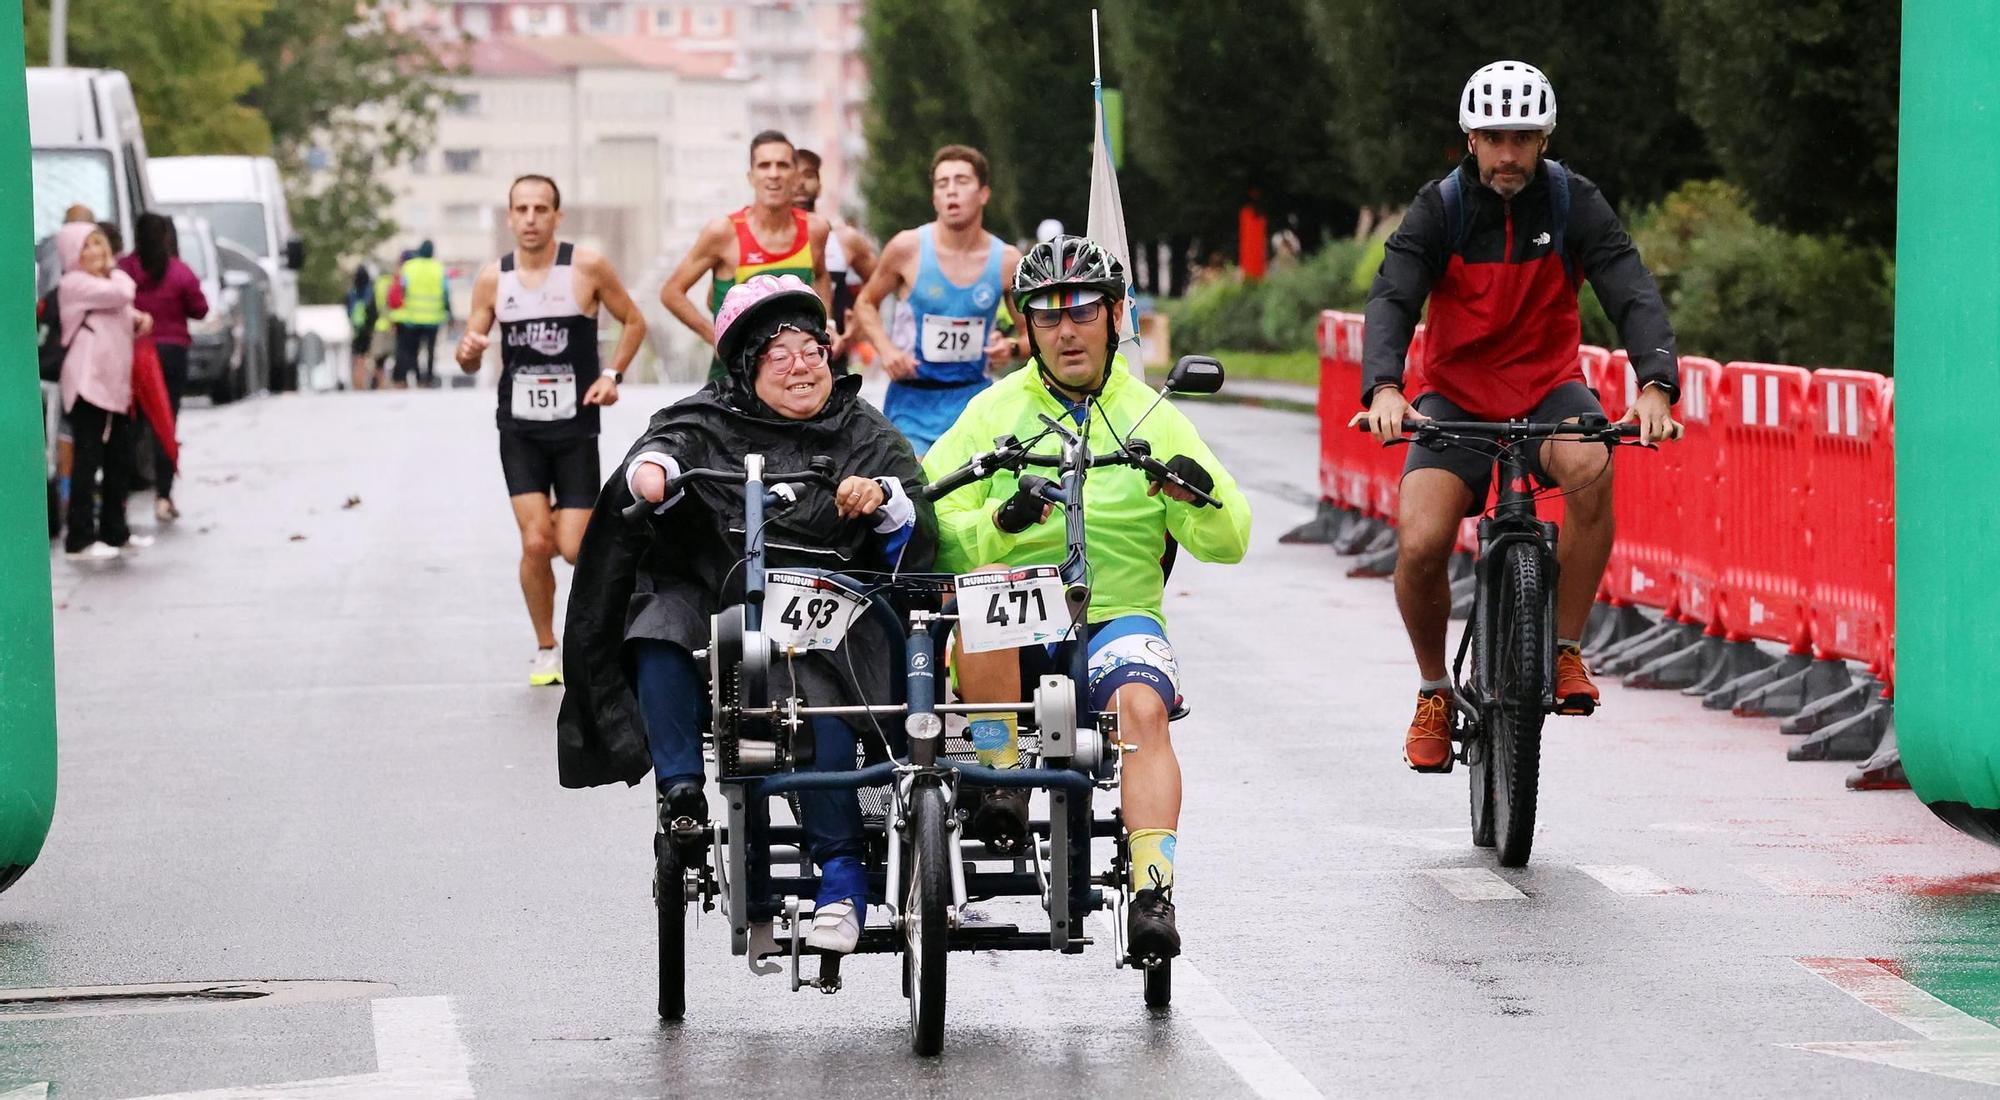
[1514, 720]
[670, 901]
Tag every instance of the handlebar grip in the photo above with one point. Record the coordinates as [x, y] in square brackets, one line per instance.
[637, 510]
[952, 482]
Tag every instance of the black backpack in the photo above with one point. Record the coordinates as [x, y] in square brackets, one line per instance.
[49, 346]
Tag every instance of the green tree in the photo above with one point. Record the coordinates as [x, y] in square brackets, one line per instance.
[186, 61]
[917, 101]
[1222, 105]
[357, 97]
[1799, 103]
[1397, 67]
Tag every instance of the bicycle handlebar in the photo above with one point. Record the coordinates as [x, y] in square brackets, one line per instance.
[1009, 453]
[820, 474]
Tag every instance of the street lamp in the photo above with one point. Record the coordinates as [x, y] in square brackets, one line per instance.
[58, 33]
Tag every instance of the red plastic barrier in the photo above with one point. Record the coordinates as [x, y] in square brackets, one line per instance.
[1885, 534]
[1343, 451]
[1700, 467]
[1646, 553]
[1764, 415]
[1844, 506]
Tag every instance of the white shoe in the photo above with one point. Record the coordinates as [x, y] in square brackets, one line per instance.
[547, 668]
[835, 928]
[96, 551]
[139, 542]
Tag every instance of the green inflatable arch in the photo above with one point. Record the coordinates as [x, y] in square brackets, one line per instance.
[1948, 451]
[27, 643]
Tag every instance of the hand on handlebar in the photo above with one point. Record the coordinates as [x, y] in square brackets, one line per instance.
[1025, 508]
[1655, 416]
[1188, 470]
[1385, 415]
[651, 482]
[859, 496]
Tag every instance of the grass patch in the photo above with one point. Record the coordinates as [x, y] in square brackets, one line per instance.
[1272, 366]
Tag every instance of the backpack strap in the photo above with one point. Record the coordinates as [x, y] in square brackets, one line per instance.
[1450, 190]
[507, 262]
[565, 254]
[1559, 212]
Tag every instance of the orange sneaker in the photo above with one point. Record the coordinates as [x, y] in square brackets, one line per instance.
[1575, 694]
[1427, 747]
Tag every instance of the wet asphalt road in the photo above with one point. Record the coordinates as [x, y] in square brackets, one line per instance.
[298, 743]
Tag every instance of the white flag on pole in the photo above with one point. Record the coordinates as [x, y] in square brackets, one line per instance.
[1106, 221]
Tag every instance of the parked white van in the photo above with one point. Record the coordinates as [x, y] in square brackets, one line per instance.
[243, 199]
[88, 147]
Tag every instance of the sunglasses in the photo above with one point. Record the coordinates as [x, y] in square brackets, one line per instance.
[812, 355]
[1082, 315]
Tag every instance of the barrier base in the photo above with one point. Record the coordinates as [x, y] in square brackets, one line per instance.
[1326, 526]
[1670, 638]
[1464, 585]
[1725, 697]
[1786, 697]
[1379, 560]
[1841, 705]
[1679, 668]
[1611, 625]
[1980, 824]
[1651, 635]
[1361, 531]
[1733, 661]
[1854, 738]
[1884, 770]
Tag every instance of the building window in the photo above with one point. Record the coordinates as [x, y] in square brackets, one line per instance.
[463, 216]
[708, 21]
[477, 22]
[420, 165]
[604, 19]
[666, 20]
[461, 162]
[463, 103]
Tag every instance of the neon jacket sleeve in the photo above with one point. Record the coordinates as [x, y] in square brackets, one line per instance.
[967, 538]
[1223, 535]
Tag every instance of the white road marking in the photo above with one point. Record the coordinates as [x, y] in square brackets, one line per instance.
[1475, 884]
[37, 1091]
[418, 1056]
[1630, 881]
[1790, 883]
[1377, 836]
[1255, 1061]
[1954, 1044]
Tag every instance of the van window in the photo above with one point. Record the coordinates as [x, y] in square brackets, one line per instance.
[136, 196]
[191, 252]
[242, 222]
[66, 176]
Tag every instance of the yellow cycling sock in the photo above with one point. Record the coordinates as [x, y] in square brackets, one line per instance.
[1152, 857]
[996, 737]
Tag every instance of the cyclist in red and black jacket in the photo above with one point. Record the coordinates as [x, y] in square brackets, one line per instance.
[1500, 248]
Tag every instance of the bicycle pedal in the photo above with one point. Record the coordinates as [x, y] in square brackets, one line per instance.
[1577, 706]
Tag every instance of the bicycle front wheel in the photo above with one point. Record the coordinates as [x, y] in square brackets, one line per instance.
[1521, 659]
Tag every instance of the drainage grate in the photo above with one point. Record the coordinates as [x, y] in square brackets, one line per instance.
[119, 1000]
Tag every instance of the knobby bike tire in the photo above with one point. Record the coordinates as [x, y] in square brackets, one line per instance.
[670, 902]
[1515, 719]
[1480, 753]
[925, 936]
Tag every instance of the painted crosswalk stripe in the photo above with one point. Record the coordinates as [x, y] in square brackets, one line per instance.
[1783, 880]
[1629, 880]
[1474, 884]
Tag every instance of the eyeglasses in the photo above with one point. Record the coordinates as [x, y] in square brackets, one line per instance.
[1082, 314]
[812, 355]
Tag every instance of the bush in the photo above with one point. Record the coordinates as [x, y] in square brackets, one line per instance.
[1739, 290]
[1280, 313]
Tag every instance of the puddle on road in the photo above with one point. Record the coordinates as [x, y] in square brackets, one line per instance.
[63, 1002]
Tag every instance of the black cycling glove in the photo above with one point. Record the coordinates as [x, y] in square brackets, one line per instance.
[1022, 510]
[1190, 471]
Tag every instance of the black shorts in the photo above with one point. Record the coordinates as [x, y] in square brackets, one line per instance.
[1568, 401]
[568, 467]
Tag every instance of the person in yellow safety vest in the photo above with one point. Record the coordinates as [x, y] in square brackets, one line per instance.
[426, 306]
[382, 347]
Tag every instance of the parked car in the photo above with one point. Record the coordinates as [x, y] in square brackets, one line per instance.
[215, 359]
[88, 147]
[244, 200]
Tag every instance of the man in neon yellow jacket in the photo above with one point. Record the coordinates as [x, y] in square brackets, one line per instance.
[1073, 296]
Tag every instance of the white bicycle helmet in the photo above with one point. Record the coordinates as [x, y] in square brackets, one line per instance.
[1507, 95]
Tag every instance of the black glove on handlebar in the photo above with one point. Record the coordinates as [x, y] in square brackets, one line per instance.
[1022, 510]
[1190, 471]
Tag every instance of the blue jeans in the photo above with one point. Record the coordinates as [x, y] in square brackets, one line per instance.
[672, 697]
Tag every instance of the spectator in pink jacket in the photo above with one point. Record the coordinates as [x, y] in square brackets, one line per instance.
[171, 293]
[98, 324]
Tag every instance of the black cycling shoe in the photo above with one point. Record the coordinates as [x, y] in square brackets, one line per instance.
[1150, 935]
[1000, 818]
[684, 810]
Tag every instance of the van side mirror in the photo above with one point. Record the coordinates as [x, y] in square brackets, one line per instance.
[1195, 374]
[295, 254]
